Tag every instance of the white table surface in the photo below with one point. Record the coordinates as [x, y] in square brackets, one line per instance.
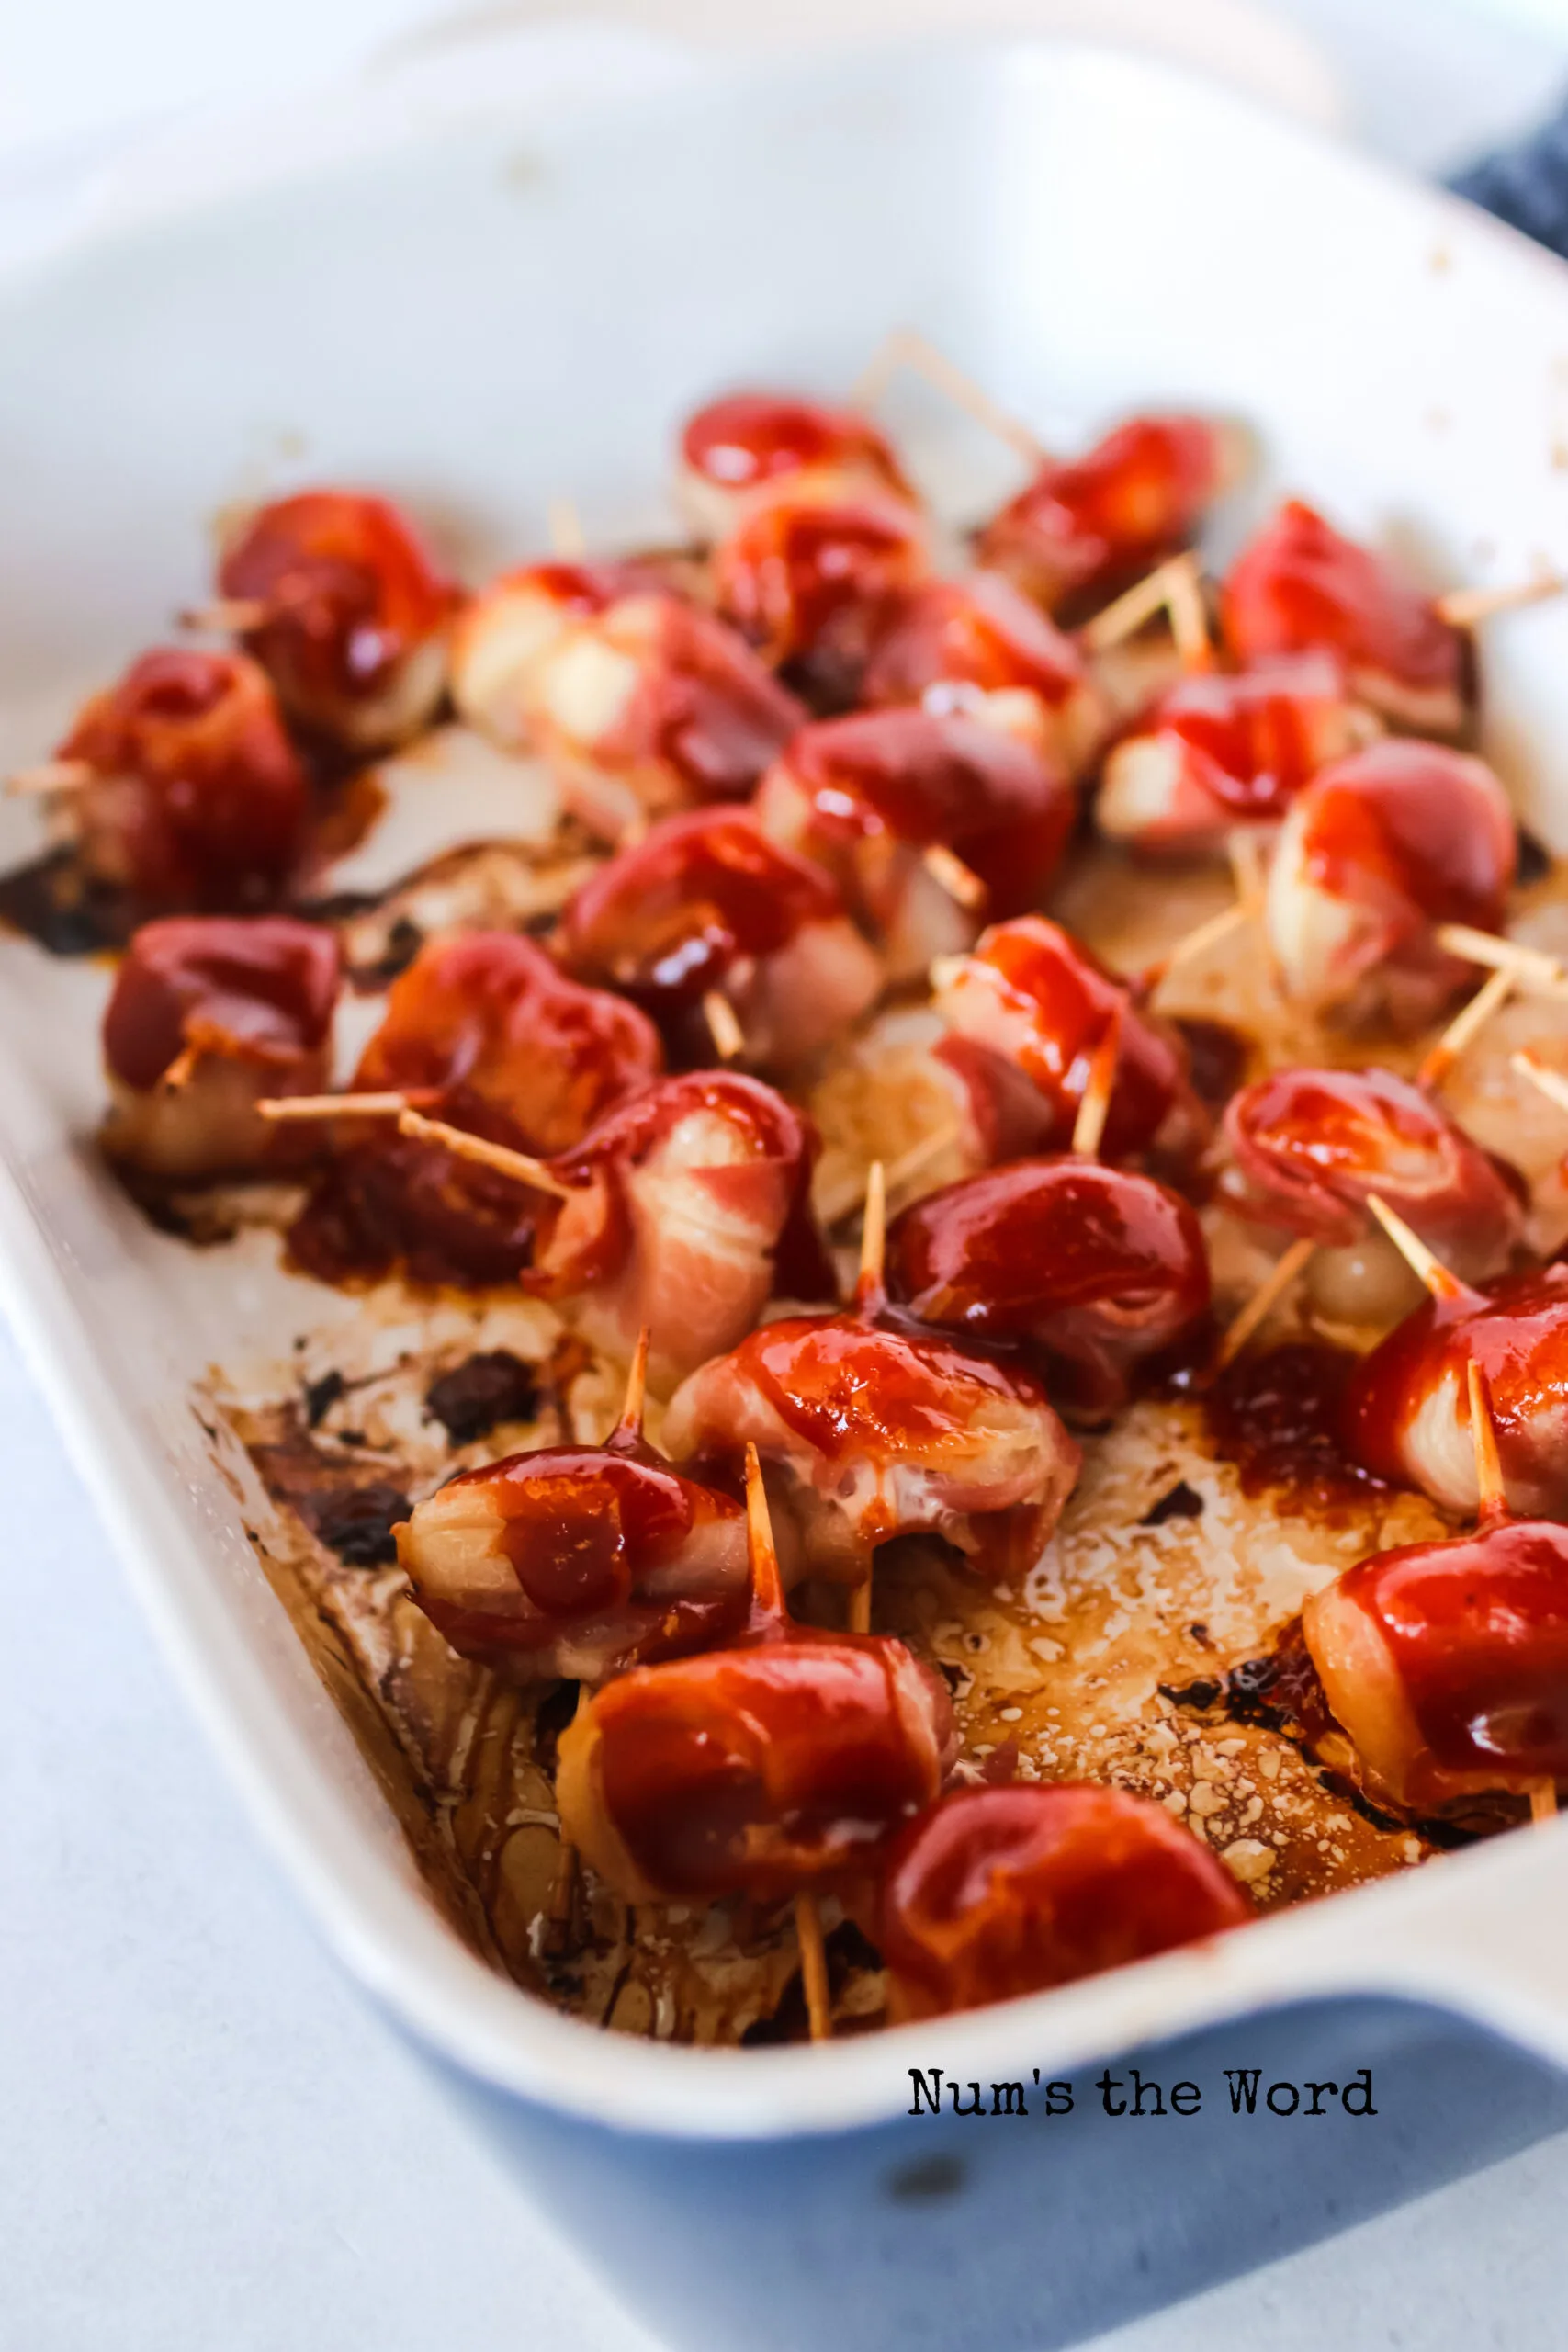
[208, 2144]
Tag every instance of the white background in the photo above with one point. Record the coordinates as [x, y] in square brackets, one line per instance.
[206, 2144]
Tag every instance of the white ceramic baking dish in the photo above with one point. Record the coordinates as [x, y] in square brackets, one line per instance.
[478, 319]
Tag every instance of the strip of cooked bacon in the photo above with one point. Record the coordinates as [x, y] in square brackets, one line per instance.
[355, 613]
[707, 902]
[196, 799]
[1378, 851]
[208, 1013]
[783, 1763]
[746, 444]
[1299, 586]
[486, 1033]
[650, 705]
[691, 1209]
[1406, 1414]
[995, 1893]
[809, 574]
[872, 1428]
[1447, 1664]
[1032, 997]
[1311, 1145]
[870, 795]
[577, 1560]
[958, 644]
[1217, 751]
[1095, 1268]
[1084, 527]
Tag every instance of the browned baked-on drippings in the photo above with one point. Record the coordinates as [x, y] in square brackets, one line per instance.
[1276, 1416]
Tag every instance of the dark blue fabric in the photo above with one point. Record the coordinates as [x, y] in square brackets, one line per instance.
[1526, 185]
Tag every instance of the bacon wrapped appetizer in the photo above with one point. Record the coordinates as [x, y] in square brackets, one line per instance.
[782, 1764]
[1446, 1665]
[187, 794]
[577, 1560]
[1093, 1269]
[1300, 587]
[209, 1015]
[978, 644]
[484, 1031]
[1376, 853]
[745, 446]
[705, 904]
[1219, 752]
[1083, 528]
[690, 1209]
[809, 574]
[1310, 1145]
[997, 1893]
[351, 614]
[1035, 1001]
[1406, 1411]
[871, 797]
[641, 703]
[870, 1427]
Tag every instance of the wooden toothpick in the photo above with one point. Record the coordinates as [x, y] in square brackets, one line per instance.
[1535, 972]
[519, 1165]
[1264, 1300]
[630, 1422]
[1546, 1081]
[1491, 1495]
[564, 525]
[230, 616]
[332, 1106]
[1424, 1264]
[1094, 1102]
[1466, 1024]
[723, 1027]
[1175, 588]
[948, 870]
[906, 347]
[1462, 608]
[52, 776]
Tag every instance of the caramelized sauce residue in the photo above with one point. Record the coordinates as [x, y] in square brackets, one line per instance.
[1276, 1416]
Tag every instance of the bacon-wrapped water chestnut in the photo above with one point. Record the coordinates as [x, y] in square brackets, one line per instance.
[870, 1427]
[1217, 751]
[1311, 1145]
[997, 1893]
[185, 791]
[1035, 1001]
[1093, 1269]
[1406, 1414]
[209, 1014]
[351, 614]
[707, 905]
[779, 1765]
[978, 644]
[1300, 587]
[878, 798]
[640, 702]
[1375, 855]
[577, 1560]
[689, 1208]
[1086, 526]
[484, 1031]
[746, 446]
[810, 573]
[1447, 1664]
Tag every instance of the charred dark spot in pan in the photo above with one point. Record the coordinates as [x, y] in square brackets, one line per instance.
[356, 1522]
[320, 1396]
[1534, 860]
[1181, 1501]
[52, 902]
[1196, 1697]
[1219, 1057]
[554, 1712]
[475, 1397]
